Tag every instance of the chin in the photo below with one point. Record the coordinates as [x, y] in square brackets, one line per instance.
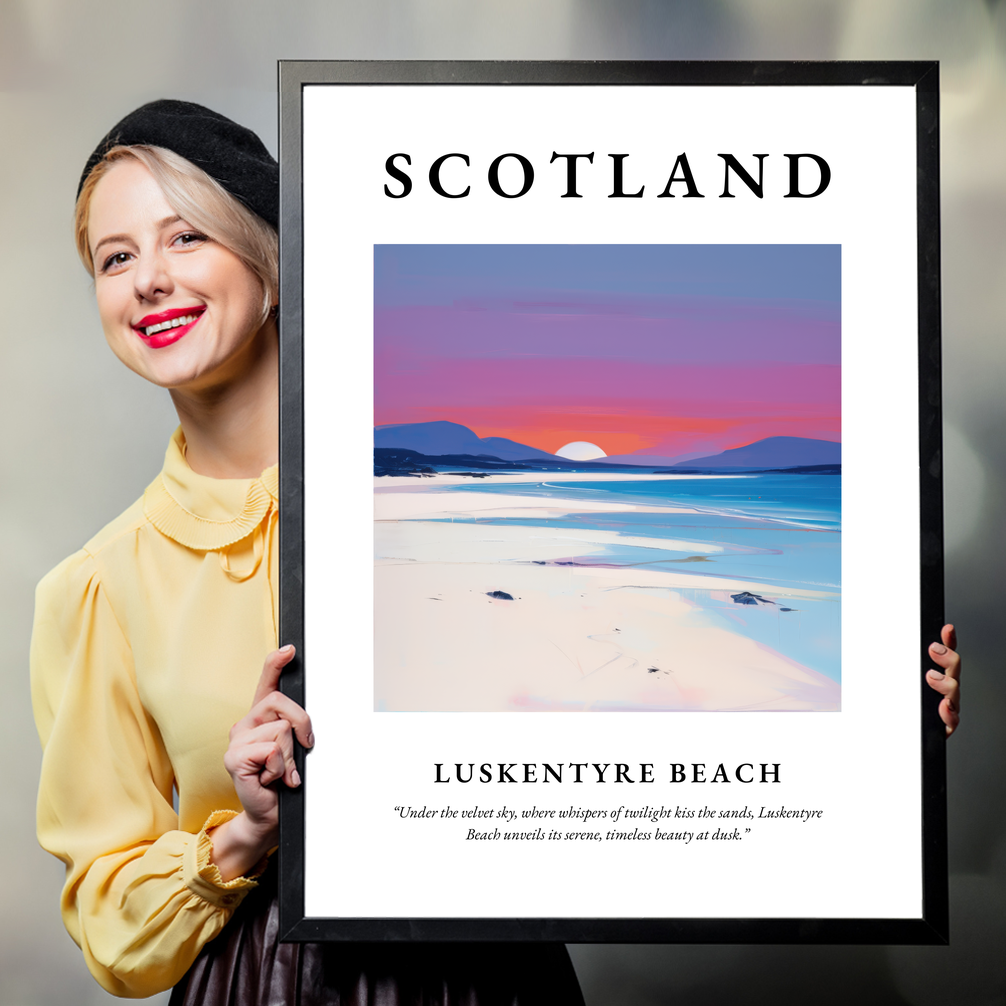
[170, 374]
[176, 382]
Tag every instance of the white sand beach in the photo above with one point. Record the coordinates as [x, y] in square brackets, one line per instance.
[573, 637]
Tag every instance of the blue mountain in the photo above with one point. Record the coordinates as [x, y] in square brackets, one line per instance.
[440, 438]
[647, 460]
[772, 452]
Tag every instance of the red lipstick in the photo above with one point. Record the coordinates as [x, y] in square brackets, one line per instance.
[165, 333]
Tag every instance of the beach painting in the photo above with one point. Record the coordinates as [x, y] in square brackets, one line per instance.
[607, 478]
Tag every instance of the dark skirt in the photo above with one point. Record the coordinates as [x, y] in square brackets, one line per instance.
[246, 965]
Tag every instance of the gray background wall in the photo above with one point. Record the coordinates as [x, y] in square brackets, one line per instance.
[82, 436]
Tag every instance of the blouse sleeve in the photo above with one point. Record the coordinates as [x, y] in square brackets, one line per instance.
[141, 898]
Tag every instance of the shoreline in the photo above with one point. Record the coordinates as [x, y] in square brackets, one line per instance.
[412, 483]
[475, 613]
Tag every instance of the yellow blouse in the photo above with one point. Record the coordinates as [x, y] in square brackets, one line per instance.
[147, 647]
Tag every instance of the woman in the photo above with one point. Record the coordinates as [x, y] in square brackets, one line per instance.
[149, 642]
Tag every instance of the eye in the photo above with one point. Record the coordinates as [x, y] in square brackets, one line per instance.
[189, 239]
[115, 261]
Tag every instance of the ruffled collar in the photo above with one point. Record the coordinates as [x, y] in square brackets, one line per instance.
[203, 513]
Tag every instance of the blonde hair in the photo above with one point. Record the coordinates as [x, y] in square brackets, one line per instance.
[199, 200]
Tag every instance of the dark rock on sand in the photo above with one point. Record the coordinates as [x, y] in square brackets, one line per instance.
[746, 597]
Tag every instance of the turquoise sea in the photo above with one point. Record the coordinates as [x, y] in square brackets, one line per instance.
[777, 532]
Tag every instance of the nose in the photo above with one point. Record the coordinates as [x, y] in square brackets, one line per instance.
[152, 277]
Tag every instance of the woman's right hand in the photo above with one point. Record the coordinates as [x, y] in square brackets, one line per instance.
[260, 753]
[948, 681]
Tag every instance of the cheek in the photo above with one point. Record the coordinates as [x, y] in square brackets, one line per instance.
[113, 313]
[224, 279]
[246, 300]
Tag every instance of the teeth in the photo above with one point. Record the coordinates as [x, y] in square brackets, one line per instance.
[174, 323]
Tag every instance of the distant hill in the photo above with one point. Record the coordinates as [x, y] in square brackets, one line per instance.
[445, 443]
[399, 461]
[647, 460]
[772, 452]
[444, 438]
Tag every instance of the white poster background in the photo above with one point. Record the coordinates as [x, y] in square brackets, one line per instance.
[860, 766]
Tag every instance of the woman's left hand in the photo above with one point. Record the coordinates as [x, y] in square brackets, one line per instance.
[948, 681]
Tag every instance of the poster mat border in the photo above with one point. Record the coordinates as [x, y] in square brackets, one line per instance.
[933, 926]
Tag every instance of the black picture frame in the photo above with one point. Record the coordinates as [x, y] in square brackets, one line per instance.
[931, 927]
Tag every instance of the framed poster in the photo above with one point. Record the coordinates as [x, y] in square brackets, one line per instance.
[611, 499]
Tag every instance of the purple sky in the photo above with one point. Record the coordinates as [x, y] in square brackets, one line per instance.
[653, 349]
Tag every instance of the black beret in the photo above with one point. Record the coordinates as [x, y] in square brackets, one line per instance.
[231, 154]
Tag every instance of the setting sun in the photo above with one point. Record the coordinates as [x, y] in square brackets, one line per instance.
[580, 450]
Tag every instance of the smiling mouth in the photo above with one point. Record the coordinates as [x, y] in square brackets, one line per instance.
[168, 323]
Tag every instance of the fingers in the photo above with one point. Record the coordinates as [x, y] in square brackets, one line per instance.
[277, 706]
[949, 636]
[949, 688]
[262, 761]
[949, 713]
[282, 767]
[271, 671]
[265, 751]
[950, 717]
[945, 655]
[270, 703]
[271, 758]
[261, 749]
[947, 681]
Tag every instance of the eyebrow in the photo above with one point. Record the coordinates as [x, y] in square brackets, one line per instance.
[160, 225]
